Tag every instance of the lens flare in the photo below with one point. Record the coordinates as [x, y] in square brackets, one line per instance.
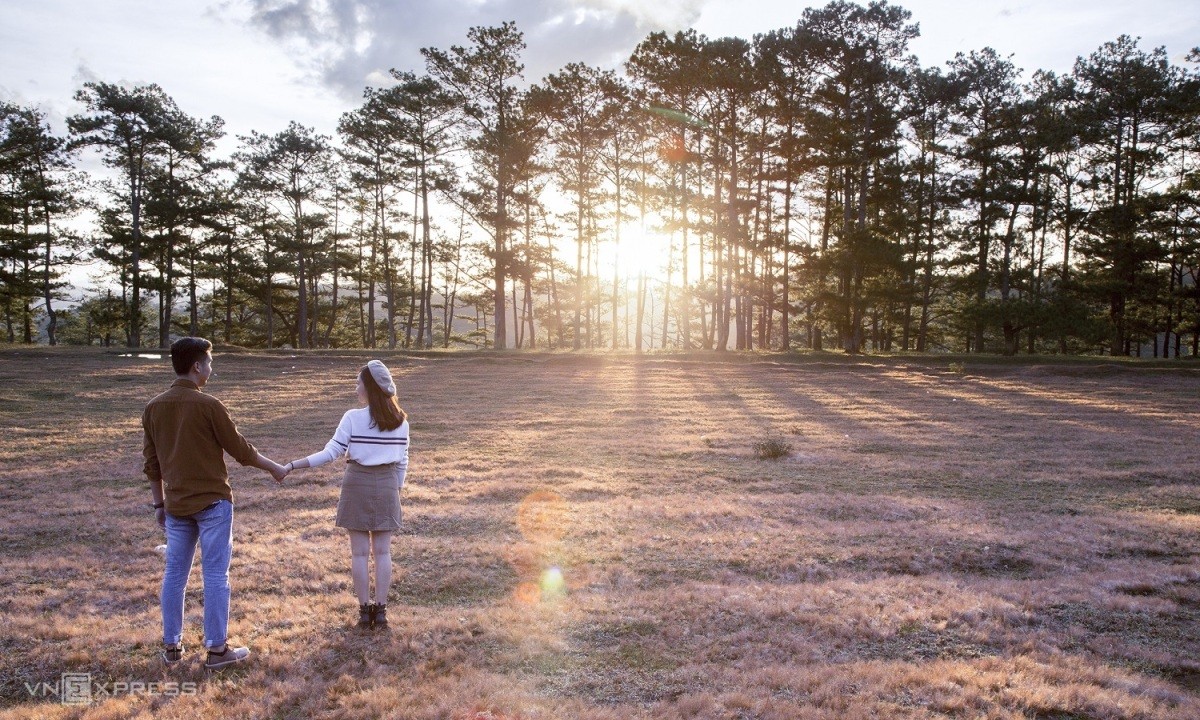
[552, 582]
[528, 593]
[542, 516]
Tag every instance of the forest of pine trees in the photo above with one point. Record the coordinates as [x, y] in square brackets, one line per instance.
[814, 187]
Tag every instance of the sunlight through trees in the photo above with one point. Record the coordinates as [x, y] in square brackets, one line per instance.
[812, 187]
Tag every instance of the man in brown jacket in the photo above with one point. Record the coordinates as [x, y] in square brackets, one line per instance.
[186, 435]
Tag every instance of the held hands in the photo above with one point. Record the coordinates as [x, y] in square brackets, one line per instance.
[279, 472]
[262, 462]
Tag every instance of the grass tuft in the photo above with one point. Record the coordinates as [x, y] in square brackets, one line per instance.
[772, 449]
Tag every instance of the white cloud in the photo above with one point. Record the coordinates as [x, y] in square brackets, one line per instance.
[262, 63]
[355, 42]
[653, 15]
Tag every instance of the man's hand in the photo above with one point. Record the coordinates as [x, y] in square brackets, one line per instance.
[279, 472]
[262, 462]
[160, 516]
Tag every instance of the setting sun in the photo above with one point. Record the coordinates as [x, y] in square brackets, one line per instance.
[641, 251]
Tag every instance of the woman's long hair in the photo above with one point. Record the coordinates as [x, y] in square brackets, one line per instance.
[385, 411]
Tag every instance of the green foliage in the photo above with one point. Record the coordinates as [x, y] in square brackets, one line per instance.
[814, 184]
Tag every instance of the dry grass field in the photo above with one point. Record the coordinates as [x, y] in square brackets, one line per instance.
[994, 541]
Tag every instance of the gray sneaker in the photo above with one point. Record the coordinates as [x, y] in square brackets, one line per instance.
[229, 656]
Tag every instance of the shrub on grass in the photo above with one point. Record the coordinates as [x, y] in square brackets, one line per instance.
[772, 449]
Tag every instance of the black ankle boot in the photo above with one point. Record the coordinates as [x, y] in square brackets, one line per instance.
[366, 616]
[380, 614]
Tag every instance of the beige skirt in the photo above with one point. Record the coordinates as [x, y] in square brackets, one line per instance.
[370, 499]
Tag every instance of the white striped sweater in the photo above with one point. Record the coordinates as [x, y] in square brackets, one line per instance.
[358, 440]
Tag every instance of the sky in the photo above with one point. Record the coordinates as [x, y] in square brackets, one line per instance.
[262, 63]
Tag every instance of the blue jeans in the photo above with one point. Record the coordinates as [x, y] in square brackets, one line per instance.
[212, 527]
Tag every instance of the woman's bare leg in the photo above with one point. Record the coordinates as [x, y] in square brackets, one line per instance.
[381, 545]
[360, 552]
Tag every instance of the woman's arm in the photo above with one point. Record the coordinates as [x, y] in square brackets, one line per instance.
[335, 448]
[297, 464]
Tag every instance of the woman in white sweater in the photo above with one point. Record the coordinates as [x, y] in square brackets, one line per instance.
[374, 440]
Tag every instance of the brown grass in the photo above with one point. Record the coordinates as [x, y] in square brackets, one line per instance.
[1004, 542]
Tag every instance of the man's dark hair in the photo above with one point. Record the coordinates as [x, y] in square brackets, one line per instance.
[187, 351]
